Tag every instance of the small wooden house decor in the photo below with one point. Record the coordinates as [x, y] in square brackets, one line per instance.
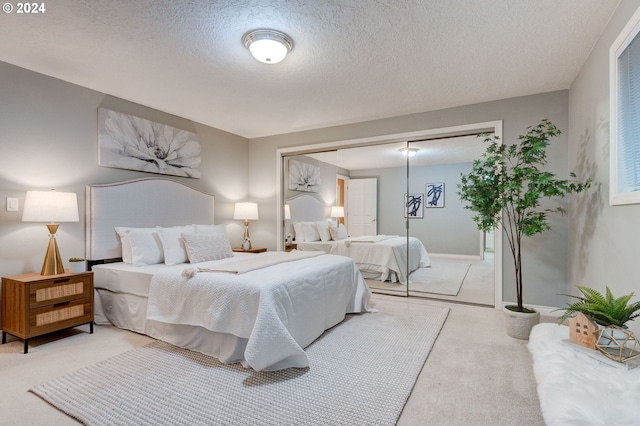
[583, 331]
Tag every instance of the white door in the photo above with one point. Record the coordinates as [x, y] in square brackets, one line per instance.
[362, 214]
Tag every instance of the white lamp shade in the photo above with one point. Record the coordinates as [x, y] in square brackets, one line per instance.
[287, 211]
[50, 206]
[337, 211]
[246, 211]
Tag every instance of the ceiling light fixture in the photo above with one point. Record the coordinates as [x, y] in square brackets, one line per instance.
[268, 46]
[409, 152]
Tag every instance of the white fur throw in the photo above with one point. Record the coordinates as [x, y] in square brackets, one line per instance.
[576, 389]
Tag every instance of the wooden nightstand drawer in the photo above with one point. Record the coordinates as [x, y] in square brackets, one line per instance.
[59, 316]
[52, 291]
[34, 304]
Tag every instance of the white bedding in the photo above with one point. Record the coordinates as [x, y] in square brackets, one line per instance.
[380, 257]
[262, 318]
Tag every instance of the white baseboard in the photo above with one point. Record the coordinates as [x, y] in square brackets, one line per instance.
[456, 256]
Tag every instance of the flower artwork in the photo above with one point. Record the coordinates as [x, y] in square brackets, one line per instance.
[413, 206]
[133, 143]
[304, 176]
[435, 194]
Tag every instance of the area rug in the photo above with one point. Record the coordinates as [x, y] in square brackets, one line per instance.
[577, 389]
[445, 276]
[361, 372]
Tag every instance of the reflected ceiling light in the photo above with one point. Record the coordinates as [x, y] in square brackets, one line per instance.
[268, 46]
[409, 152]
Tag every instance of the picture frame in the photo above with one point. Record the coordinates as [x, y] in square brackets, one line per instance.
[413, 206]
[434, 195]
[304, 177]
[133, 143]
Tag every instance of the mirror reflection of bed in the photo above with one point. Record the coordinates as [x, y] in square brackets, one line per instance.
[460, 264]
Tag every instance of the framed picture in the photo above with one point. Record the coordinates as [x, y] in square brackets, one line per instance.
[435, 195]
[304, 176]
[133, 143]
[413, 206]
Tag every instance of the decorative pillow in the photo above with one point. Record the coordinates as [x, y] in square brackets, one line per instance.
[125, 243]
[210, 229]
[310, 231]
[204, 247]
[146, 248]
[323, 230]
[297, 230]
[338, 233]
[173, 245]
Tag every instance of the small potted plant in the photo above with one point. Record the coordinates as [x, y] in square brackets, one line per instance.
[77, 265]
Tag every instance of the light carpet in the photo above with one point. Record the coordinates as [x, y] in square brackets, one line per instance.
[445, 276]
[361, 372]
[576, 389]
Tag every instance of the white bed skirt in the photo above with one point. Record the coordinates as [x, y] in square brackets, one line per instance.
[129, 311]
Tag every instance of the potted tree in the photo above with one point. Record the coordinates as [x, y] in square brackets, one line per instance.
[505, 187]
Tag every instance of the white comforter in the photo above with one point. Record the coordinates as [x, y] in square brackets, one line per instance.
[384, 254]
[279, 309]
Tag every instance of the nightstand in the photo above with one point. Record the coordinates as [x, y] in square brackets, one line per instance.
[253, 250]
[34, 304]
[290, 247]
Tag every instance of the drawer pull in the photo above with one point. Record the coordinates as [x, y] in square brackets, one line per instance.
[57, 305]
[61, 280]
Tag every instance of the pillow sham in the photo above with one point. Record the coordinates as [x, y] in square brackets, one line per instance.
[173, 247]
[323, 230]
[338, 233]
[146, 248]
[310, 231]
[125, 244]
[298, 233]
[205, 247]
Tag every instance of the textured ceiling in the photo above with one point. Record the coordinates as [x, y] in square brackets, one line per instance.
[352, 61]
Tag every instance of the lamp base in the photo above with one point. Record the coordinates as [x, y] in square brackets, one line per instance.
[52, 263]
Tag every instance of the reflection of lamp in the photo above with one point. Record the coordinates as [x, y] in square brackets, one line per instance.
[268, 46]
[246, 212]
[287, 212]
[51, 206]
[409, 152]
[337, 211]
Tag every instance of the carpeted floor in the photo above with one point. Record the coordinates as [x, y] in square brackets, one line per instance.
[576, 388]
[362, 372]
[440, 278]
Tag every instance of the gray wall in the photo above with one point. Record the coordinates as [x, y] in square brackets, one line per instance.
[603, 239]
[49, 140]
[545, 256]
[448, 230]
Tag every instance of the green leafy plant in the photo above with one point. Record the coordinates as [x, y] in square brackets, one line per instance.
[76, 259]
[605, 310]
[505, 188]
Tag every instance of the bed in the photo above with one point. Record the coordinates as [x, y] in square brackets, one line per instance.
[379, 257]
[261, 310]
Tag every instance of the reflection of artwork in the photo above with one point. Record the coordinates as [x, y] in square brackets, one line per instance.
[128, 142]
[304, 176]
[413, 206]
[435, 194]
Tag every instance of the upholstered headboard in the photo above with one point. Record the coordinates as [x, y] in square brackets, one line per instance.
[139, 203]
[305, 208]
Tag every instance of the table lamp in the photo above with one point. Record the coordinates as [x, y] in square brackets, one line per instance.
[246, 212]
[51, 206]
[337, 212]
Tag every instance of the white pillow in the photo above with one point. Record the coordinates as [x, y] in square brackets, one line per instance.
[323, 230]
[125, 244]
[338, 233]
[297, 230]
[205, 247]
[173, 245]
[146, 248]
[310, 231]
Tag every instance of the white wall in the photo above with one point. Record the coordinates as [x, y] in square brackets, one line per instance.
[48, 139]
[604, 240]
[545, 256]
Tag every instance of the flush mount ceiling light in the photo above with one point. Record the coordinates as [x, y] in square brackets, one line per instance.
[409, 152]
[268, 46]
